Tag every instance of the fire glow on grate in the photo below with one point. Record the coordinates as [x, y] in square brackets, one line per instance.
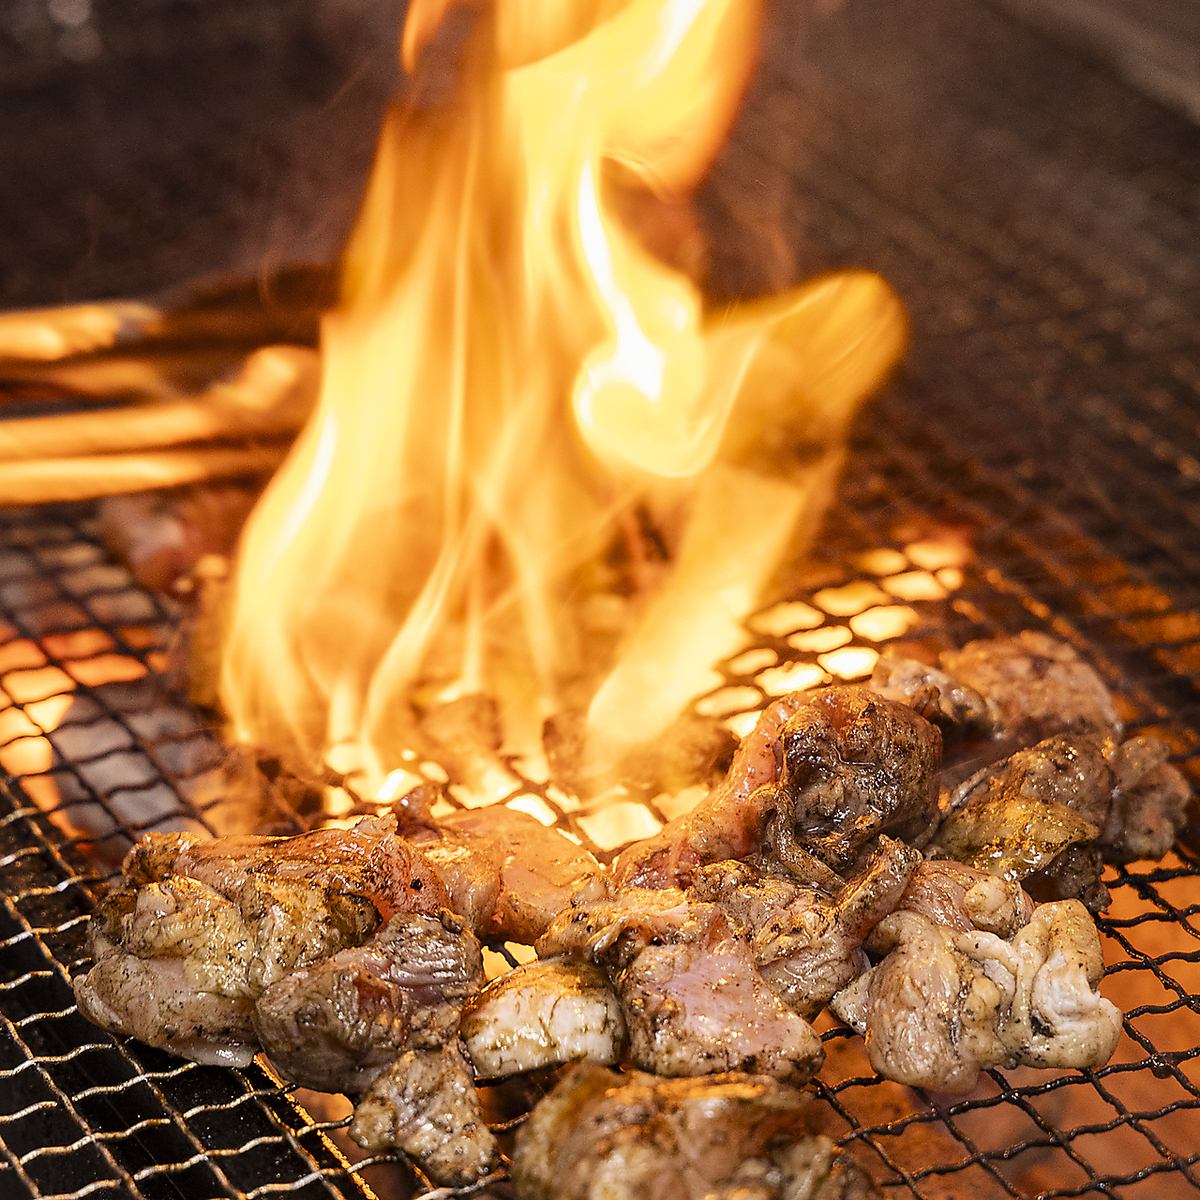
[85, 1115]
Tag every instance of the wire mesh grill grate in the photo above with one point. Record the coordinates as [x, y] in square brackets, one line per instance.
[1037, 466]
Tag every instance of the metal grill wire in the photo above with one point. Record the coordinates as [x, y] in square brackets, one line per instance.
[1037, 467]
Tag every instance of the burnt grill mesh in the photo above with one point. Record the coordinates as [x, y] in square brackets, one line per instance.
[1037, 466]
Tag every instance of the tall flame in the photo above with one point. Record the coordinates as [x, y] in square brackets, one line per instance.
[510, 376]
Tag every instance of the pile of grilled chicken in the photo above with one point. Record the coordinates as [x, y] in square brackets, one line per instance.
[946, 919]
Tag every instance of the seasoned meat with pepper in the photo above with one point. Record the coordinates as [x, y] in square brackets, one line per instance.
[425, 1104]
[509, 874]
[1050, 815]
[945, 1003]
[198, 930]
[857, 766]
[820, 775]
[601, 1136]
[808, 944]
[693, 999]
[332, 951]
[543, 1014]
[963, 898]
[335, 1024]
[694, 1009]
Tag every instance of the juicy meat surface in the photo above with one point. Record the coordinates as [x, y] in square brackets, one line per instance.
[963, 898]
[857, 765]
[509, 874]
[198, 930]
[808, 944]
[543, 1014]
[729, 822]
[820, 775]
[602, 1136]
[943, 1003]
[425, 1104]
[699, 1009]
[1051, 813]
[335, 1024]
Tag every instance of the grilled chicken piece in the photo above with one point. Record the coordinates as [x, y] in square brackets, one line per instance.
[543, 1014]
[693, 998]
[1020, 689]
[335, 1024]
[601, 1136]
[728, 823]
[509, 874]
[1050, 814]
[425, 1104]
[807, 944]
[964, 898]
[945, 1003]
[820, 775]
[698, 1009]
[199, 930]
[858, 766]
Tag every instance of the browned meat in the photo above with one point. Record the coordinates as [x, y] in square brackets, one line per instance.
[1048, 815]
[858, 766]
[944, 1003]
[335, 1024]
[615, 931]
[693, 998]
[1020, 689]
[932, 692]
[729, 823]
[541, 1015]
[198, 930]
[694, 1010]
[425, 1104]
[601, 1136]
[821, 775]
[332, 951]
[807, 944]
[963, 898]
[530, 870]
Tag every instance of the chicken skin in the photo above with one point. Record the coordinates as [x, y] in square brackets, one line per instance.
[946, 1002]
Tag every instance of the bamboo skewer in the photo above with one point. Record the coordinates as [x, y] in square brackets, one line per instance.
[80, 456]
[270, 396]
[89, 477]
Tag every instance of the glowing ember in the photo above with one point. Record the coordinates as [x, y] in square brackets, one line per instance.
[514, 389]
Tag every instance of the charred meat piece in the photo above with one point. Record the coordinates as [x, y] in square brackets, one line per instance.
[820, 775]
[425, 1104]
[1050, 814]
[541, 1015]
[693, 998]
[613, 932]
[945, 1003]
[335, 1024]
[600, 1136]
[964, 898]
[808, 944]
[857, 765]
[198, 930]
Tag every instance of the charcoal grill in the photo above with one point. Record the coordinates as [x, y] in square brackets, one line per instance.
[1037, 466]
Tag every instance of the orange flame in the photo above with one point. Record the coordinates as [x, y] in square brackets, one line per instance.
[510, 375]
